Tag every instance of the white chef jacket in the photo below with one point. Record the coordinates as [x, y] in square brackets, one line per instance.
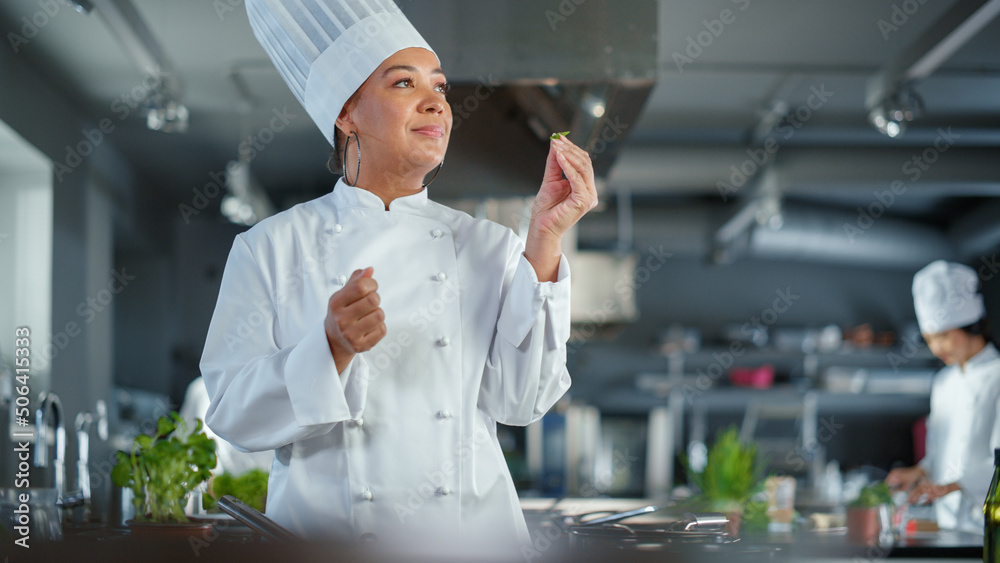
[402, 443]
[962, 429]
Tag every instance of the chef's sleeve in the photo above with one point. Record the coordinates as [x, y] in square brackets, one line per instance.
[975, 481]
[266, 394]
[526, 370]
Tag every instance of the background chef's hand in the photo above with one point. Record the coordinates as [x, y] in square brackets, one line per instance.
[560, 203]
[926, 491]
[354, 321]
[905, 477]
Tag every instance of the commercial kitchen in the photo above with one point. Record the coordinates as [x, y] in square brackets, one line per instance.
[770, 178]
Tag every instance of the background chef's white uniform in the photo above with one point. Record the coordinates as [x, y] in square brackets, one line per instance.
[962, 429]
[403, 442]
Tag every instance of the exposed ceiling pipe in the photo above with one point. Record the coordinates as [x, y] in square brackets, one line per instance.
[165, 112]
[809, 233]
[934, 47]
[926, 170]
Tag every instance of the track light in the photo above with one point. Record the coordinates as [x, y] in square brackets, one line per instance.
[891, 116]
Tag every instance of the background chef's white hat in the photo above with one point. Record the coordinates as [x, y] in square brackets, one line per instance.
[945, 296]
[325, 49]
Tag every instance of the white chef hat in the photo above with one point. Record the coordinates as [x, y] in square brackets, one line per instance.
[326, 49]
[945, 296]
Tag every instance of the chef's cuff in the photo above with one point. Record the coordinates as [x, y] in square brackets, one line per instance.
[315, 388]
[527, 296]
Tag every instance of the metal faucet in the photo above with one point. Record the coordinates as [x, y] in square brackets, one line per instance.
[83, 422]
[49, 403]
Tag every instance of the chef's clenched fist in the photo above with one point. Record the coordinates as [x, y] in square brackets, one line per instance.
[354, 321]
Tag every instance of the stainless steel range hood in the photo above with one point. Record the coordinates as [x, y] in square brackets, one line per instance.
[523, 69]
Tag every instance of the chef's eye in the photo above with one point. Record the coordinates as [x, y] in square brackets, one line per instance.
[403, 83]
[443, 87]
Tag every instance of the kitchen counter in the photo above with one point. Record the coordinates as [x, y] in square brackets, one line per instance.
[797, 546]
[233, 542]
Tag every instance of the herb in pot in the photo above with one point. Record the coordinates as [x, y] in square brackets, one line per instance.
[873, 495]
[732, 473]
[162, 469]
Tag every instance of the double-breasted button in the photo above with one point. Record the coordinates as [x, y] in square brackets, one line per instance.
[437, 233]
[358, 422]
[443, 341]
[337, 228]
[443, 491]
[342, 279]
[367, 495]
[443, 414]
[441, 276]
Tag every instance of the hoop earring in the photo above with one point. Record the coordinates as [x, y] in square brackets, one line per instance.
[436, 171]
[357, 173]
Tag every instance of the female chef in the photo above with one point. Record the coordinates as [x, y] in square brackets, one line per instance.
[964, 423]
[372, 337]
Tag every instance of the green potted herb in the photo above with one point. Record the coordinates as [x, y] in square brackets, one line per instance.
[161, 470]
[730, 478]
[249, 487]
[862, 514]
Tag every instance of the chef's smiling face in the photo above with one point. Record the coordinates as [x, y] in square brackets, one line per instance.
[401, 114]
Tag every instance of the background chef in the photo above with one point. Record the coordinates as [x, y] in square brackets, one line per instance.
[391, 333]
[963, 426]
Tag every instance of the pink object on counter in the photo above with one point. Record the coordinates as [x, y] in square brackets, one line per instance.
[760, 377]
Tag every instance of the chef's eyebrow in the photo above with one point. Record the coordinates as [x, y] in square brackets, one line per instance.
[408, 68]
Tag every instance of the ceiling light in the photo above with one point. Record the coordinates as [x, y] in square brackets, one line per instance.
[891, 116]
[163, 113]
[82, 6]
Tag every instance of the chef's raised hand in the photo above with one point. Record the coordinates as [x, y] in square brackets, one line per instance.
[560, 203]
[354, 321]
[926, 491]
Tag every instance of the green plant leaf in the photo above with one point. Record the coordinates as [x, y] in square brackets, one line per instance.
[164, 426]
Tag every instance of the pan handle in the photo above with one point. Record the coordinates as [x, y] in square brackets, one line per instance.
[254, 519]
[617, 517]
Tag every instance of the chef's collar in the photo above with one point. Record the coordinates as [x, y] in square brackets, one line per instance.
[987, 354]
[352, 196]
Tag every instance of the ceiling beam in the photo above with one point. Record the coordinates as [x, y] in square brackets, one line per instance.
[931, 49]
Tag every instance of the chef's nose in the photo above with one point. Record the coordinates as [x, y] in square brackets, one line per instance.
[432, 106]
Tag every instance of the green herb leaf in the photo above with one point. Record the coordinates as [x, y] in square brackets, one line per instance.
[555, 136]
